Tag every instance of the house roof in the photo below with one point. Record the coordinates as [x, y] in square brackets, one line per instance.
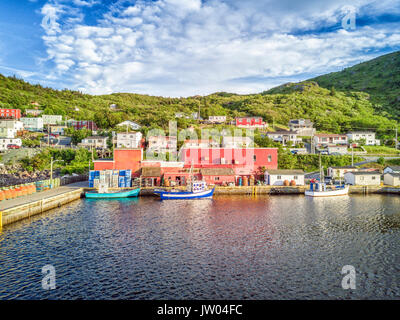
[344, 167]
[364, 173]
[327, 135]
[217, 172]
[96, 137]
[151, 172]
[300, 121]
[282, 132]
[394, 168]
[285, 172]
[394, 174]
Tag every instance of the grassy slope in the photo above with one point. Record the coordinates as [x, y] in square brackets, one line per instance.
[331, 111]
[380, 78]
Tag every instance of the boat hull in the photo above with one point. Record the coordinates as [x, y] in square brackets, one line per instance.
[167, 195]
[113, 195]
[330, 193]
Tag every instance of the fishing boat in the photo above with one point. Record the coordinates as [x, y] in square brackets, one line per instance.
[321, 189]
[318, 189]
[103, 193]
[197, 190]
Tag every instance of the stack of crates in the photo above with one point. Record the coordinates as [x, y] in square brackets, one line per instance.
[115, 178]
[112, 178]
[94, 177]
[125, 179]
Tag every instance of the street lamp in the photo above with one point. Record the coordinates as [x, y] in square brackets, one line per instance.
[51, 170]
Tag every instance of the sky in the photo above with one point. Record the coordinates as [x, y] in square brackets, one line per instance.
[180, 48]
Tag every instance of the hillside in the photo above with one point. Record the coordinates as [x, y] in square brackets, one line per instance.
[380, 78]
[331, 110]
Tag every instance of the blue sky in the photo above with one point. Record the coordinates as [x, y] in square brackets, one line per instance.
[188, 47]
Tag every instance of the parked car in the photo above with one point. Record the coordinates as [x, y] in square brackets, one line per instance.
[13, 146]
[294, 151]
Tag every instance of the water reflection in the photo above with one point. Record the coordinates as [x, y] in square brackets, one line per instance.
[285, 247]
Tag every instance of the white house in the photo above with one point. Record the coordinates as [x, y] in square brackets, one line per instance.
[32, 124]
[162, 144]
[130, 124]
[303, 127]
[49, 119]
[129, 139]
[5, 142]
[95, 142]
[363, 178]
[392, 179]
[237, 142]
[10, 127]
[392, 169]
[325, 139]
[217, 119]
[33, 112]
[368, 136]
[278, 177]
[284, 137]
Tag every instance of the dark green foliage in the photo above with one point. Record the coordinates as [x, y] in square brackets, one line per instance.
[380, 78]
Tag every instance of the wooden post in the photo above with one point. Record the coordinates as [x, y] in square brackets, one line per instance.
[1, 219]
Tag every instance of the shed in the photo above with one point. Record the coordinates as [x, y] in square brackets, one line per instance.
[392, 179]
[277, 177]
[363, 178]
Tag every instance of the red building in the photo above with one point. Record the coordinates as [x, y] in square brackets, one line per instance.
[10, 113]
[217, 166]
[243, 160]
[87, 124]
[250, 122]
[124, 159]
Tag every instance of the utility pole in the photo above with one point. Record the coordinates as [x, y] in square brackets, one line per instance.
[397, 141]
[48, 135]
[352, 156]
[51, 171]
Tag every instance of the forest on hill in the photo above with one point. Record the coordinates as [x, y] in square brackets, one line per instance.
[335, 102]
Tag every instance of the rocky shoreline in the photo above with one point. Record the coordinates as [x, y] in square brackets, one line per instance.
[15, 176]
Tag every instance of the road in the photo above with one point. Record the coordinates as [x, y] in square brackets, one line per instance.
[369, 159]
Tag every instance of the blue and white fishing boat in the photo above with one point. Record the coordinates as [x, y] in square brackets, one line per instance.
[198, 190]
[103, 193]
[320, 188]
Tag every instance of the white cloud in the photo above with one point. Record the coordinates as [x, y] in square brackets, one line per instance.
[180, 48]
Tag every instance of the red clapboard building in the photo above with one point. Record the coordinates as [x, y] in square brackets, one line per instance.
[250, 122]
[10, 113]
[87, 124]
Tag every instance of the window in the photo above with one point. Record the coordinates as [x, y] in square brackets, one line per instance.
[269, 158]
[254, 158]
[373, 178]
[279, 177]
[295, 177]
[216, 178]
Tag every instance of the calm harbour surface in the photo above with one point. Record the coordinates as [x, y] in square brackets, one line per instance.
[278, 247]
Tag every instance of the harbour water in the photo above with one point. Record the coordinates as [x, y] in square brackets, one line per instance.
[278, 247]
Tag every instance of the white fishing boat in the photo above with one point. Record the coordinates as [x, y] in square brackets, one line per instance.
[198, 190]
[321, 189]
[318, 189]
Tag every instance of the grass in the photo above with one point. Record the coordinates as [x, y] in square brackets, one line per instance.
[381, 150]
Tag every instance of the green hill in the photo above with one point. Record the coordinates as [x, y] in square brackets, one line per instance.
[380, 78]
[332, 110]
